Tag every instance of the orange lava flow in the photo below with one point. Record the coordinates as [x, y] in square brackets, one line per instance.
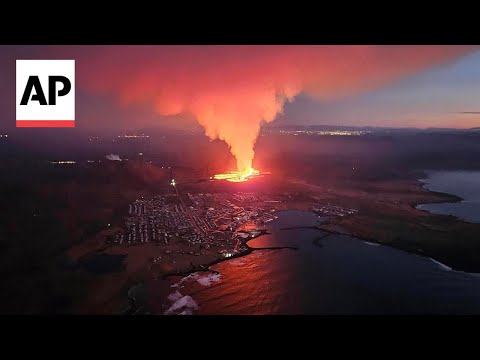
[237, 176]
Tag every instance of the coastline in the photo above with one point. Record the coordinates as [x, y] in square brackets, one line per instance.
[375, 242]
[449, 198]
[337, 230]
[416, 247]
[430, 208]
[412, 233]
[424, 242]
[134, 307]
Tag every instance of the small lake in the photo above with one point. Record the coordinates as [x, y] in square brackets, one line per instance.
[465, 184]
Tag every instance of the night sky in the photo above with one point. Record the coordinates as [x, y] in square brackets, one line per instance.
[144, 86]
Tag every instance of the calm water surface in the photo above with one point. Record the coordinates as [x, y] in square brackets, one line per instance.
[328, 274]
[465, 184]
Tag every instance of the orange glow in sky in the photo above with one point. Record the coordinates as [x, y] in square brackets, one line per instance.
[231, 91]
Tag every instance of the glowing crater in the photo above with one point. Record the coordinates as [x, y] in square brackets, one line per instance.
[237, 176]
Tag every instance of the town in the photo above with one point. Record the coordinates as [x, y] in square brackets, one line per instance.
[332, 210]
[201, 220]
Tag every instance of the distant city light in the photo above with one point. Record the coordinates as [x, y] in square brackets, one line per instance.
[173, 183]
[133, 136]
[63, 162]
[326, 132]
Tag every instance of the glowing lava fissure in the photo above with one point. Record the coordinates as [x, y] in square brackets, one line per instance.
[237, 176]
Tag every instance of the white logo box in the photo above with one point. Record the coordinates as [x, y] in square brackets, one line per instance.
[62, 114]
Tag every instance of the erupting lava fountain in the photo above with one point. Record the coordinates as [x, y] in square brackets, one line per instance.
[237, 176]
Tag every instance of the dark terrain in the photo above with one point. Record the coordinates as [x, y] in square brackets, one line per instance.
[46, 208]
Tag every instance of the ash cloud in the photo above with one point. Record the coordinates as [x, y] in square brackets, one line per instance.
[232, 90]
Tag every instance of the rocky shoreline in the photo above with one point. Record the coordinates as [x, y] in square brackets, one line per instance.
[134, 306]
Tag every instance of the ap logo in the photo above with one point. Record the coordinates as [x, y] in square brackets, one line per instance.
[45, 93]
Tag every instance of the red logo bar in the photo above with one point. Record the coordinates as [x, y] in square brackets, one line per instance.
[45, 123]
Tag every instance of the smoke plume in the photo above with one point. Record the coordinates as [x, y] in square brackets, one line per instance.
[232, 90]
[113, 157]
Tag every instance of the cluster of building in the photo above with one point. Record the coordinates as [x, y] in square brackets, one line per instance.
[197, 219]
[152, 220]
[332, 210]
[227, 212]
